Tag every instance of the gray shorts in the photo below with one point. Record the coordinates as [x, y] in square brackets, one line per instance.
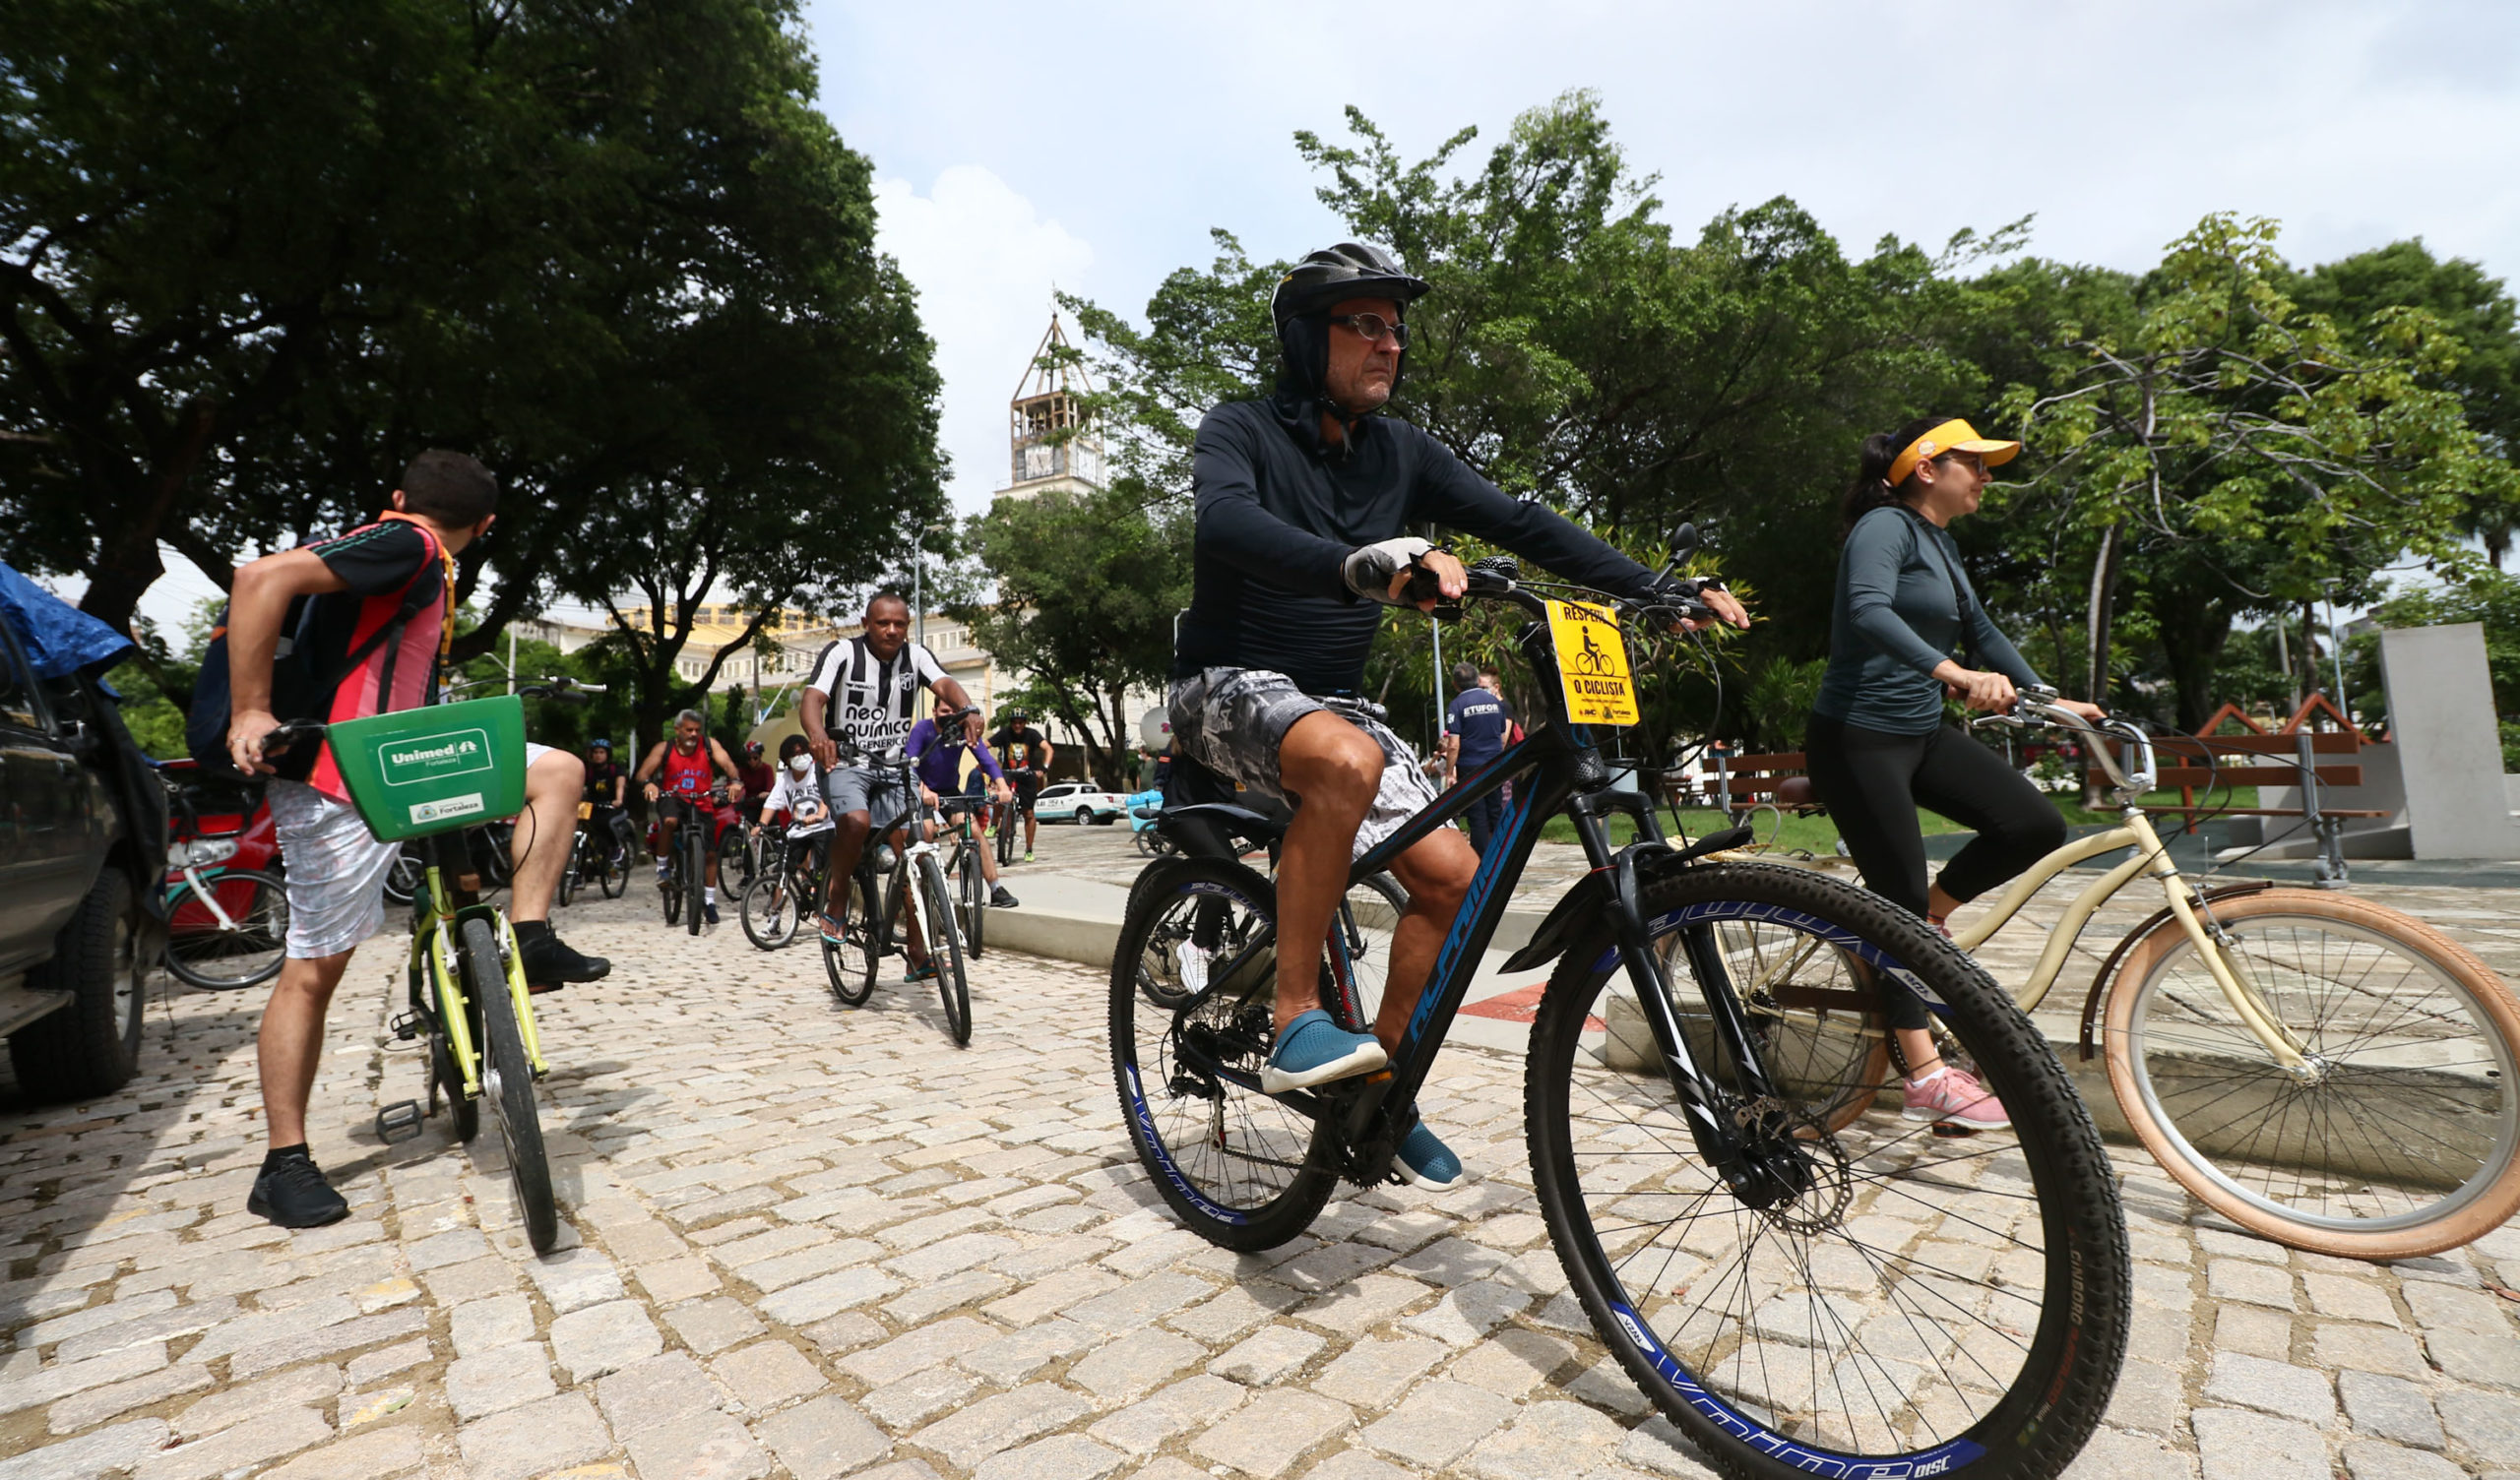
[337, 868]
[1232, 720]
[874, 790]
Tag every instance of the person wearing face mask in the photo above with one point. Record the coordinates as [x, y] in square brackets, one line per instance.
[798, 792]
[1878, 744]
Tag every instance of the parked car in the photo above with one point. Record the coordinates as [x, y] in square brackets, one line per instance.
[1080, 800]
[82, 848]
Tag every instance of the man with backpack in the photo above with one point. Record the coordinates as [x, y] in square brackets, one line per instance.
[339, 630]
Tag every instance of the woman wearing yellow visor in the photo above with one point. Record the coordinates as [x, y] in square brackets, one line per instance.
[1879, 743]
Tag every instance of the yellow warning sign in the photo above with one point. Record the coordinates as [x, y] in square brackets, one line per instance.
[1591, 663]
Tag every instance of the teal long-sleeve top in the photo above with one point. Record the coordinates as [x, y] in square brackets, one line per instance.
[1896, 618]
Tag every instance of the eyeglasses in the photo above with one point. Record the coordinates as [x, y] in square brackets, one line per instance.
[1373, 329]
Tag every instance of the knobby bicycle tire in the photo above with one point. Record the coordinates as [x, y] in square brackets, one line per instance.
[2401, 1139]
[262, 928]
[1919, 1306]
[1234, 1165]
[974, 891]
[614, 874]
[945, 950]
[851, 964]
[695, 877]
[507, 1081]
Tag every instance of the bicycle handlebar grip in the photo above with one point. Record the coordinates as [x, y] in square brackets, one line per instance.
[1423, 586]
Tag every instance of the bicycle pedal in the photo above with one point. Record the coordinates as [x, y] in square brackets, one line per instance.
[407, 1025]
[399, 1121]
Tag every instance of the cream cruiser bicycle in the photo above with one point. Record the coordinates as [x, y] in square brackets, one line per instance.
[2323, 1071]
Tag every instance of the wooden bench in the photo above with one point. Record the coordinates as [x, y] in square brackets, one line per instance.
[2192, 763]
[1749, 782]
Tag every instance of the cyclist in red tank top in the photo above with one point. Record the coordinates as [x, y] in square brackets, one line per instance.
[682, 767]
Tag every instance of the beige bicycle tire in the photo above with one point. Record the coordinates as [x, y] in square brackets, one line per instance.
[2483, 1213]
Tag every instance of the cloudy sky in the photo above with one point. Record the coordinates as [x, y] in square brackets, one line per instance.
[1094, 145]
[1089, 148]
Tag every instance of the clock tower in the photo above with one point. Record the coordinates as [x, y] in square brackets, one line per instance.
[1056, 444]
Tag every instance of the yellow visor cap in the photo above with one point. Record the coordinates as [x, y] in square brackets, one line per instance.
[1950, 437]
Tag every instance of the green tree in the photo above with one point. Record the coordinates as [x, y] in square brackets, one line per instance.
[2248, 450]
[1078, 592]
[258, 254]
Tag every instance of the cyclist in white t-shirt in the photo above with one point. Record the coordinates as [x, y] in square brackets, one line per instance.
[866, 688]
[798, 791]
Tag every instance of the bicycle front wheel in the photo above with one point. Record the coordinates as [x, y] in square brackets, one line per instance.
[973, 885]
[771, 908]
[695, 877]
[670, 887]
[248, 952]
[1192, 997]
[1916, 1302]
[613, 873]
[945, 950]
[851, 964]
[507, 1083]
[2398, 1136]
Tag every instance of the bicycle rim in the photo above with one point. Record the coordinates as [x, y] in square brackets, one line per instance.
[945, 951]
[1936, 1305]
[507, 1083]
[1188, 1037]
[770, 910]
[247, 956]
[2401, 1137]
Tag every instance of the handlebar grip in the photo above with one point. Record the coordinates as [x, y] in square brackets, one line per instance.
[1423, 584]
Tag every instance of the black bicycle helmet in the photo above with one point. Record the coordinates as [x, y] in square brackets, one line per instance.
[1016, 717]
[1304, 297]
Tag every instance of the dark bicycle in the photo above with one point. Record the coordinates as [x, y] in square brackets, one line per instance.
[598, 859]
[785, 890]
[887, 887]
[1871, 1299]
[684, 887]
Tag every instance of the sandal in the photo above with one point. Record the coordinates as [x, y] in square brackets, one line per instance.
[834, 932]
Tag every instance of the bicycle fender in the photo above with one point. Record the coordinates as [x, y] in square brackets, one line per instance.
[1576, 910]
[2099, 980]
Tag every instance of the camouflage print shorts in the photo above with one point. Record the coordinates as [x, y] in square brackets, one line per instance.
[1232, 720]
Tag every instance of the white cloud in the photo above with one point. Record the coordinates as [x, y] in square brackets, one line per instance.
[985, 261]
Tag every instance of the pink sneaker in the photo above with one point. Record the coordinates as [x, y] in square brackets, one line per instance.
[1955, 1098]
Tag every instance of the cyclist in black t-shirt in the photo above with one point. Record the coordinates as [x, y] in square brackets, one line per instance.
[608, 789]
[1025, 754]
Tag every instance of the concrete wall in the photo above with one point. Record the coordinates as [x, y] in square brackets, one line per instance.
[2449, 749]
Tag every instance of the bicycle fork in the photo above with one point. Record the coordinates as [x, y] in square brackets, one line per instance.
[1743, 1135]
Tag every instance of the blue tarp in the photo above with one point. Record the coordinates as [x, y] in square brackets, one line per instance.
[59, 637]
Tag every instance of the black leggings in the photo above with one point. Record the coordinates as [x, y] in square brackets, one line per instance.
[1873, 783]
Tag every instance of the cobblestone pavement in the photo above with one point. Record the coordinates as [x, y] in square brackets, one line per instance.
[807, 1240]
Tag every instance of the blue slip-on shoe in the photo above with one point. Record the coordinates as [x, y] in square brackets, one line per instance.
[1427, 1162]
[1313, 1050]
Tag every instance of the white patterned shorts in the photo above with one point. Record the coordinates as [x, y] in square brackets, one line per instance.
[1233, 722]
[336, 867]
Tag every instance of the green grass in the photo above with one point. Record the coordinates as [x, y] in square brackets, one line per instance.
[1818, 834]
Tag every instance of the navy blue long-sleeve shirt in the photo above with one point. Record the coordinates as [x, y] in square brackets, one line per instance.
[1279, 511]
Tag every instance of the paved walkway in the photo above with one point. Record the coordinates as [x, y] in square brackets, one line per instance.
[812, 1242]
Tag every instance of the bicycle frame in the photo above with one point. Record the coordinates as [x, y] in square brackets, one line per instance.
[435, 922]
[1555, 766]
[2135, 831]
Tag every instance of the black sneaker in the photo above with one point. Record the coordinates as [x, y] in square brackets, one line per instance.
[1000, 898]
[294, 1195]
[709, 913]
[549, 962]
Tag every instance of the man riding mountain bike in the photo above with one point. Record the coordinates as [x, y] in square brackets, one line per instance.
[1026, 753]
[683, 768]
[866, 688]
[1304, 500]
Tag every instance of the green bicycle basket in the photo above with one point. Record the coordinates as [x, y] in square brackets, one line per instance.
[434, 768]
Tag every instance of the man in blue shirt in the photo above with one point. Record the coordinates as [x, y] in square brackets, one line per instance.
[956, 783]
[1473, 737]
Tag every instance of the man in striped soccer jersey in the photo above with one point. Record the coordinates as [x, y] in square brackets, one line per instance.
[866, 688]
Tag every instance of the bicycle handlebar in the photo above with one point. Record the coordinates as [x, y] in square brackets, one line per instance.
[2034, 707]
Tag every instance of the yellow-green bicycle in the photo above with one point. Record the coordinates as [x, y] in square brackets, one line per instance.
[430, 773]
